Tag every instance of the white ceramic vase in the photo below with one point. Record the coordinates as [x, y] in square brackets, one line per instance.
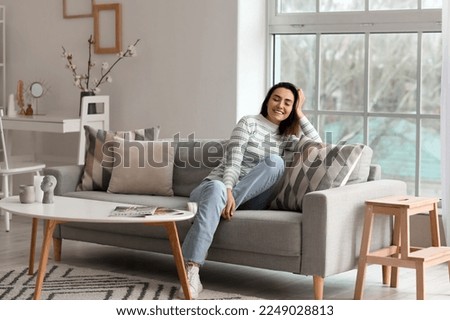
[11, 111]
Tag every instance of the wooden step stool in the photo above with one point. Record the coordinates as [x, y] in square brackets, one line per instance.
[400, 254]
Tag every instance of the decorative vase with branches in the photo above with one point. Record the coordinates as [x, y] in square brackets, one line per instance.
[86, 82]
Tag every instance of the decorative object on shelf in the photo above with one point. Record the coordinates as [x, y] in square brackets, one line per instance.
[39, 194]
[19, 96]
[26, 193]
[11, 112]
[77, 8]
[92, 107]
[48, 186]
[36, 90]
[86, 82]
[29, 111]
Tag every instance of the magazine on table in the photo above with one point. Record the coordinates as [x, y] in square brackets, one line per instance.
[141, 211]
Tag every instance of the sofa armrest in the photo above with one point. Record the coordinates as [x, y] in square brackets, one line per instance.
[68, 177]
[332, 225]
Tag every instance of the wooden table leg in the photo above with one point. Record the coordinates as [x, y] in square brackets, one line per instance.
[365, 247]
[404, 234]
[396, 242]
[32, 246]
[57, 249]
[448, 271]
[49, 228]
[434, 224]
[386, 274]
[420, 281]
[171, 228]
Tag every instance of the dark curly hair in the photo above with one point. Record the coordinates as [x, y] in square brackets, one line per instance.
[290, 126]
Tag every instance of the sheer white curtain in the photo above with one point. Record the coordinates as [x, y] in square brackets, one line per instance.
[445, 119]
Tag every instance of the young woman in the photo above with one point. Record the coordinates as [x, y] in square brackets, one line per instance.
[251, 166]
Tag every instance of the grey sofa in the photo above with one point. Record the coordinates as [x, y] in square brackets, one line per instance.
[321, 241]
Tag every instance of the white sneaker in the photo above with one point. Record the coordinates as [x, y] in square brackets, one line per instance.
[195, 286]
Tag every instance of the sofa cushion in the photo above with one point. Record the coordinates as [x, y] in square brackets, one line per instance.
[142, 167]
[194, 160]
[246, 232]
[315, 166]
[96, 175]
[249, 229]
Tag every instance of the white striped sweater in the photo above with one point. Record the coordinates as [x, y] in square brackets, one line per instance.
[251, 141]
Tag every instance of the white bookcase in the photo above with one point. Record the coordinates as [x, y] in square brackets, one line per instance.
[2, 59]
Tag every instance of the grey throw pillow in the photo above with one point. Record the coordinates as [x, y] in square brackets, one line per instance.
[142, 167]
[315, 166]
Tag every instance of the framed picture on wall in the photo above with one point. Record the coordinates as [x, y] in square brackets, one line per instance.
[107, 28]
[77, 8]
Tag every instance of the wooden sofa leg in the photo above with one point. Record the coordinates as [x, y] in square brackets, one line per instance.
[318, 287]
[57, 247]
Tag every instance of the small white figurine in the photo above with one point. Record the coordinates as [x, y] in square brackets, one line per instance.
[48, 186]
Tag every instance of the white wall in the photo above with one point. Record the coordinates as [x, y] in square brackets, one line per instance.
[185, 77]
[251, 57]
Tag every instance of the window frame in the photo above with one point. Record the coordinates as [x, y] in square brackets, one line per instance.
[418, 21]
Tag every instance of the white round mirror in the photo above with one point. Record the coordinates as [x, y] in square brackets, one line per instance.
[37, 89]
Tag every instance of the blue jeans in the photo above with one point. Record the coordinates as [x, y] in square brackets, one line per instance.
[253, 192]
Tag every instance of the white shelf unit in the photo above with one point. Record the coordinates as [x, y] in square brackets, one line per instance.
[2, 59]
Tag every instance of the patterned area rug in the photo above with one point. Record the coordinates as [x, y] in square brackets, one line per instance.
[64, 282]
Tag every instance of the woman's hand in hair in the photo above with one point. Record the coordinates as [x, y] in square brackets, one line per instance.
[300, 103]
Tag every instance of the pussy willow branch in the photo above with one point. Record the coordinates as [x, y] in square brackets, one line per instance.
[91, 41]
[125, 54]
[71, 66]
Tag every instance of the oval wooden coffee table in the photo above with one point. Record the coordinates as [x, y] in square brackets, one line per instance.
[66, 209]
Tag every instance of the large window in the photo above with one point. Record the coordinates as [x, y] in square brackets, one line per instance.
[371, 72]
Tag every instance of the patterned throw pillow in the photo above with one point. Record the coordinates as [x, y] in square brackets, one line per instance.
[96, 176]
[312, 167]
